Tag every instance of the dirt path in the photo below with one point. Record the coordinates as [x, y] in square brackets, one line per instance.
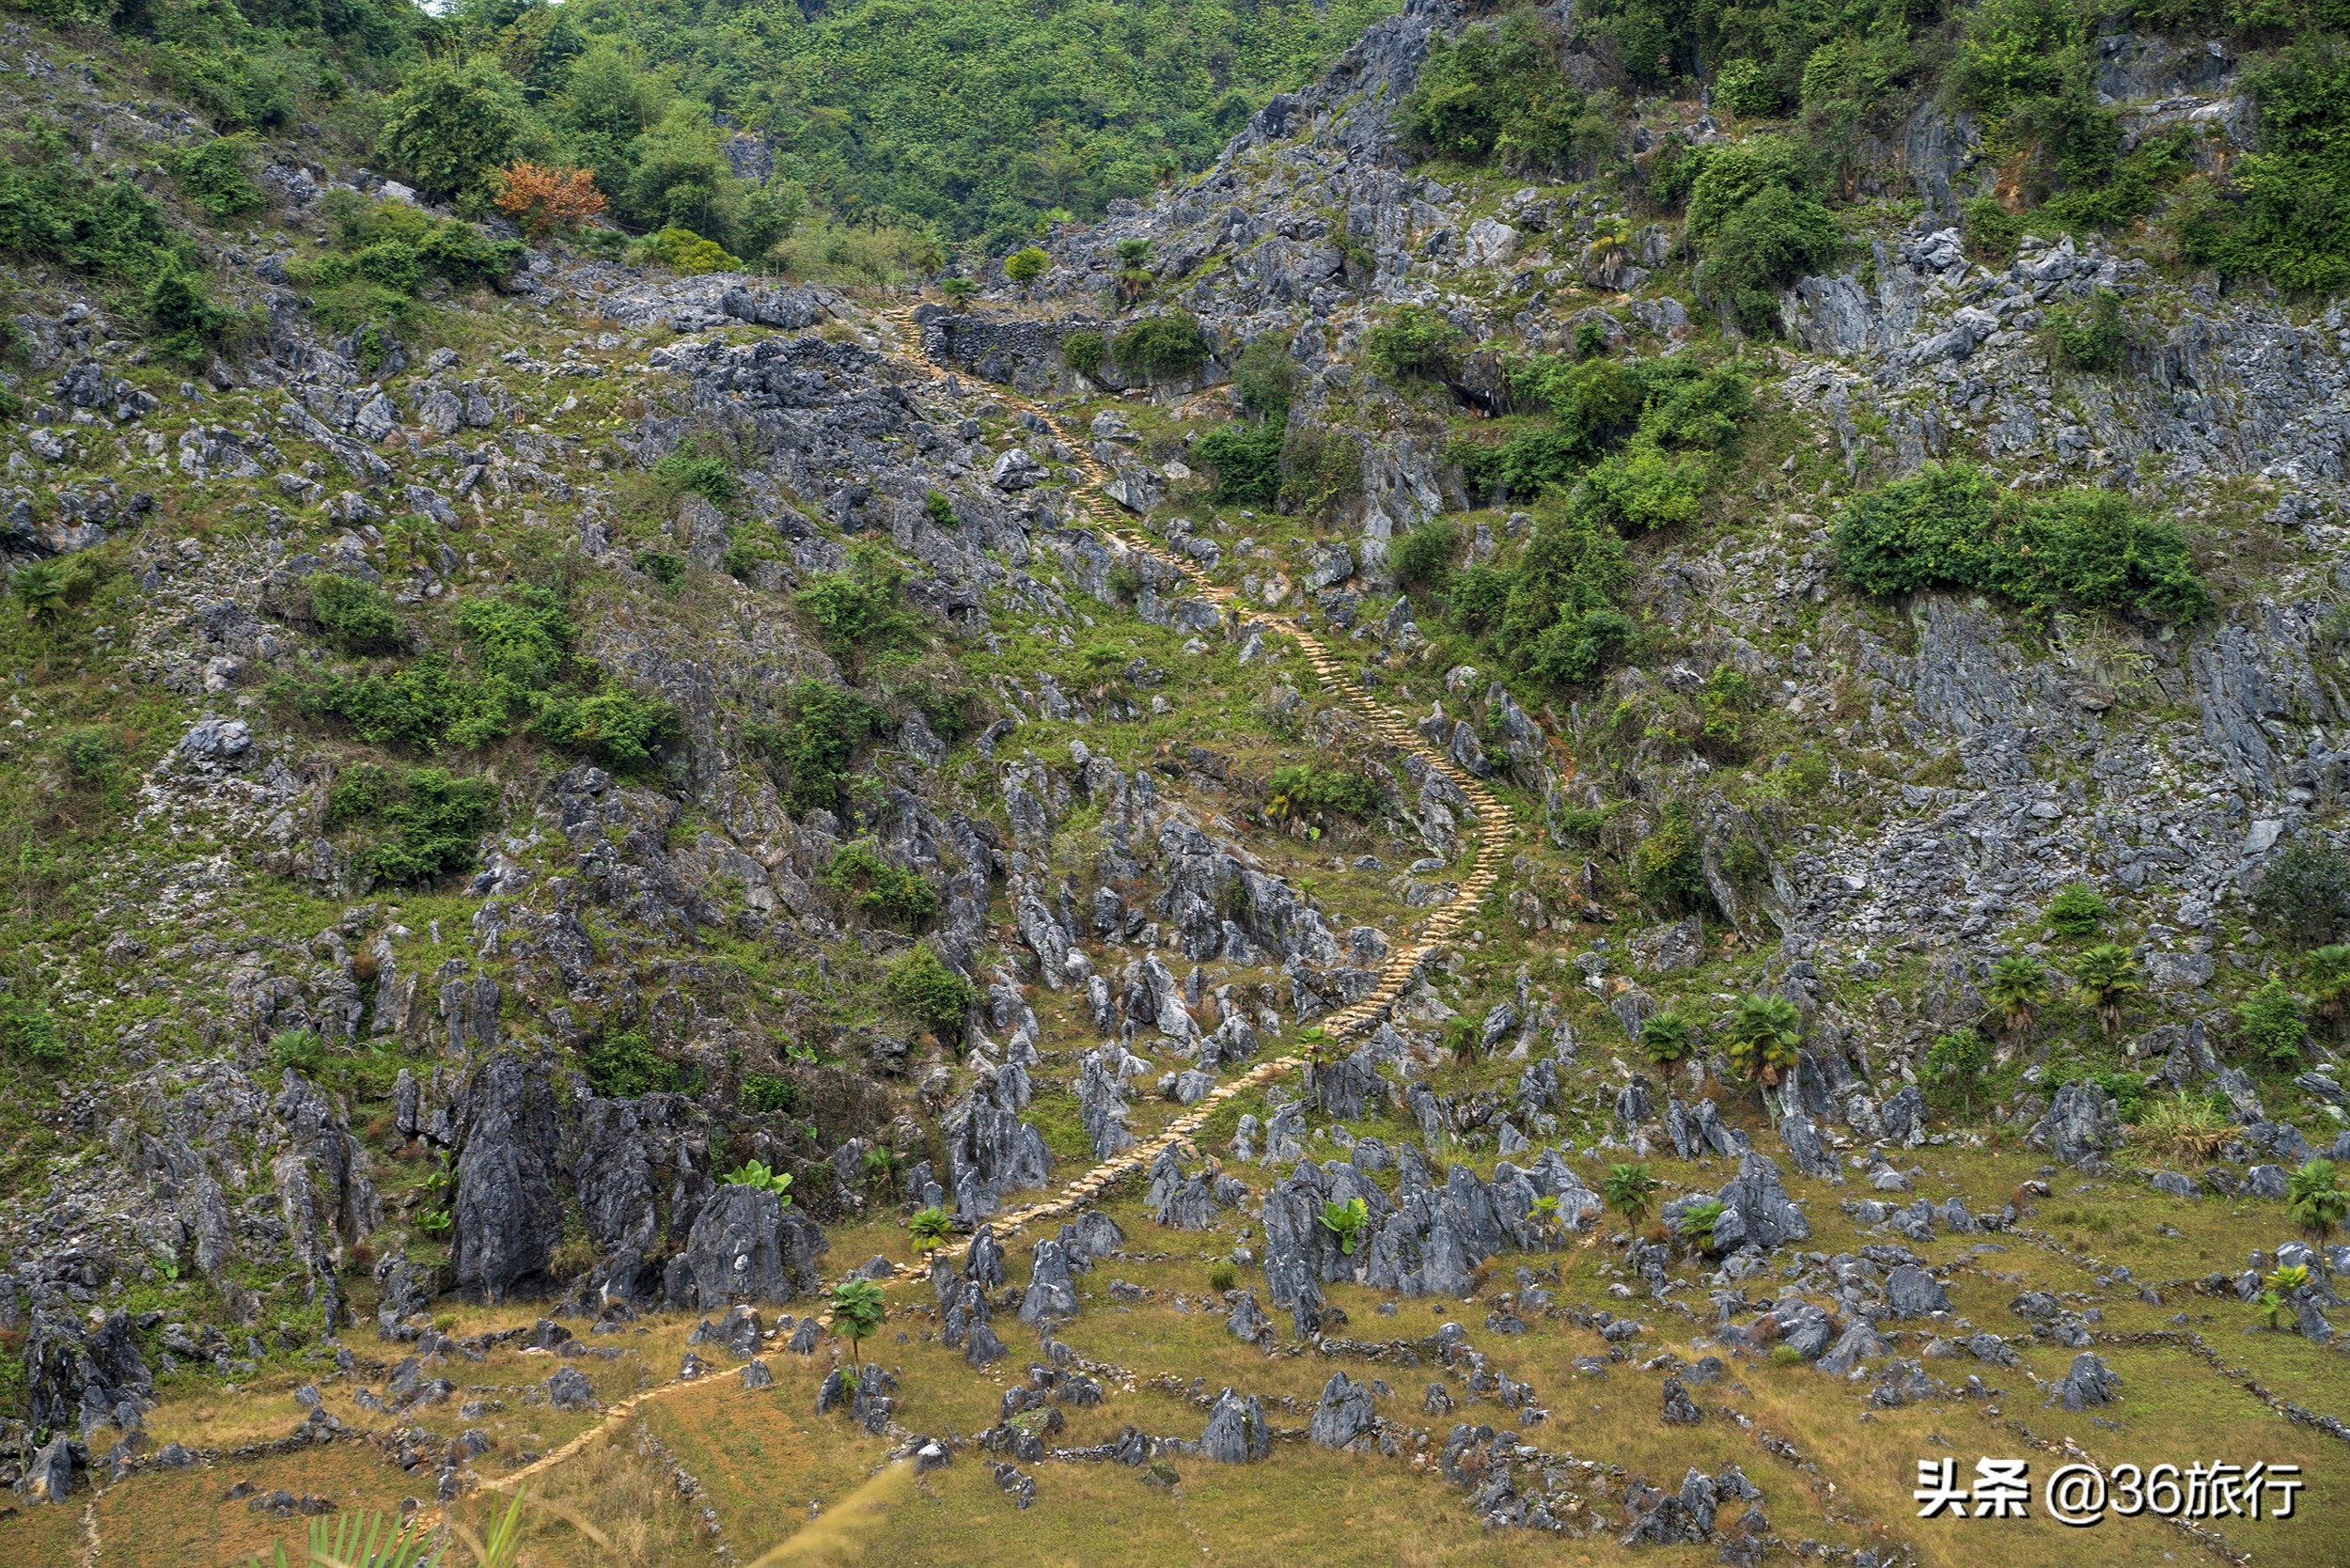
[1097, 509]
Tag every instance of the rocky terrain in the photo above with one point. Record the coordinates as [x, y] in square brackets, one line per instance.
[556, 829]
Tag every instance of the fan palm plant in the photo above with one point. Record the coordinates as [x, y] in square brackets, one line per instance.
[1765, 1038]
[2328, 971]
[2106, 974]
[2018, 986]
[1627, 1189]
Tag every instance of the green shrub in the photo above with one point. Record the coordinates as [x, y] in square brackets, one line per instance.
[521, 636]
[942, 510]
[700, 473]
[1667, 1037]
[1322, 470]
[769, 1094]
[1083, 352]
[421, 823]
[1169, 345]
[30, 1033]
[1698, 1221]
[1950, 527]
[1415, 340]
[1497, 92]
[356, 616]
[217, 176]
[2077, 910]
[52, 210]
[931, 994]
[1026, 265]
[453, 125]
[1748, 91]
[2303, 894]
[1992, 231]
[187, 324]
[661, 567]
[2270, 1024]
[93, 758]
[1959, 1058]
[1667, 869]
[1763, 245]
[1423, 559]
[687, 253]
[616, 724]
[891, 892]
[1305, 788]
[1247, 464]
[828, 726]
[1263, 377]
[1222, 1275]
[2281, 214]
[625, 1066]
[2090, 338]
[862, 609]
[297, 1049]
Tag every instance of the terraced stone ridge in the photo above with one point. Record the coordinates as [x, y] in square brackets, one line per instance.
[1093, 503]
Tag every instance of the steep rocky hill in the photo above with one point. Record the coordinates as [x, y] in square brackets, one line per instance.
[1368, 733]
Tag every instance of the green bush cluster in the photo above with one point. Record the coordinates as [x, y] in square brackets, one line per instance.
[30, 1033]
[1308, 788]
[861, 610]
[1169, 345]
[1952, 527]
[623, 1065]
[693, 471]
[217, 176]
[826, 726]
[1247, 464]
[384, 252]
[1551, 613]
[515, 673]
[1084, 353]
[1635, 439]
[984, 118]
[923, 987]
[889, 892]
[1423, 559]
[2281, 214]
[53, 210]
[771, 1094]
[685, 252]
[1757, 224]
[2303, 893]
[2091, 337]
[1263, 377]
[356, 616]
[187, 324]
[1498, 93]
[416, 825]
[1415, 341]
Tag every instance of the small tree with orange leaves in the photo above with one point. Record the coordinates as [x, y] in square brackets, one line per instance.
[546, 200]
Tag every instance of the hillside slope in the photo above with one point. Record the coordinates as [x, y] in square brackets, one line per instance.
[1527, 747]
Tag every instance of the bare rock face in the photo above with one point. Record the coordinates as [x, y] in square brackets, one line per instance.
[508, 1216]
[1052, 1292]
[1755, 1208]
[1343, 1418]
[2081, 1125]
[2089, 1382]
[83, 1379]
[1236, 1430]
[746, 1246]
